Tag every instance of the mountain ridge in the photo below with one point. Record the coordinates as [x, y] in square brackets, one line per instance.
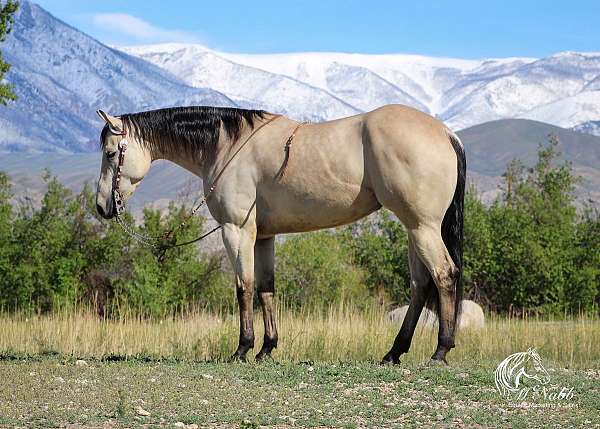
[62, 76]
[460, 92]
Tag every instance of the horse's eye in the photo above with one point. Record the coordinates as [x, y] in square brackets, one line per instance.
[110, 155]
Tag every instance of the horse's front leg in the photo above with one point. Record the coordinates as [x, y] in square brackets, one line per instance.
[239, 242]
[264, 270]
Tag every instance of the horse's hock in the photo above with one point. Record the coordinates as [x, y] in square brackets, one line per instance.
[471, 316]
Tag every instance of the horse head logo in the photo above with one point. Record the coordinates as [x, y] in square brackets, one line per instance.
[519, 370]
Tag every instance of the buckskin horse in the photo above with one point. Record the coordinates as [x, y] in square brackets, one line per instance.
[266, 174]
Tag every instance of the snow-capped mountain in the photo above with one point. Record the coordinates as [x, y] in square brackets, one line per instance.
[246, 85]
[62, 76]
[561, 89]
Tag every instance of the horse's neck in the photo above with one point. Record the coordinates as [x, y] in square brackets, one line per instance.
[212, 163]
[187, 162]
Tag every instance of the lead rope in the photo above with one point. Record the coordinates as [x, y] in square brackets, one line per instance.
[163, 243]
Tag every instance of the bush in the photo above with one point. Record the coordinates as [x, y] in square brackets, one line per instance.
[316, 269]
[62, 255]
[380, 247]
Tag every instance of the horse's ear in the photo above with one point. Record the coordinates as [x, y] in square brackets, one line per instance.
[115, 124]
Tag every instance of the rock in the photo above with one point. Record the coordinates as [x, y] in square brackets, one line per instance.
[80, 362]
[427, 318]
[471, 316]
[179, 425]
[141, 412]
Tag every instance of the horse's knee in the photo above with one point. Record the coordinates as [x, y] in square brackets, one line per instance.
[243, 288]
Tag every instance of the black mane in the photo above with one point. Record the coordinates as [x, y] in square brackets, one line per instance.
[194, 130]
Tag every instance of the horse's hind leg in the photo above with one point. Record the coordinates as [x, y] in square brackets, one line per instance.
[433, 253]
[264, 273]
[420, 284]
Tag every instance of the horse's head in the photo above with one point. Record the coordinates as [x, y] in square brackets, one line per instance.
[533, 368]
[118, 142]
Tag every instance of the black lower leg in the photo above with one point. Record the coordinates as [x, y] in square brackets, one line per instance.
[404, 338]
[246, 340]
[447, 322]
[271, 337]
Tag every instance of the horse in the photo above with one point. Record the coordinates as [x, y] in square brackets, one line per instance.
[516, 368]
[265, 174]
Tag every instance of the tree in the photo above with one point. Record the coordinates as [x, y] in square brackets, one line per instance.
[531, 249]
[379, 245]
[6, 20]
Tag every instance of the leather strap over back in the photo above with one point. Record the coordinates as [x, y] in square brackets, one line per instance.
[288, 145]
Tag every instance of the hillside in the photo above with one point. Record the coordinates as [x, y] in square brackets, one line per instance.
[490, 146]
[62, 76]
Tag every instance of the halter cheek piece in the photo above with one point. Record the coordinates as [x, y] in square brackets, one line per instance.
[117, 197]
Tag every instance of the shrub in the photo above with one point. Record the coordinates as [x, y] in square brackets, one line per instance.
[316, 269]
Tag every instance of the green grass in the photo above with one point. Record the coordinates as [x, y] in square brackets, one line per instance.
[54, 391]
[327, 373]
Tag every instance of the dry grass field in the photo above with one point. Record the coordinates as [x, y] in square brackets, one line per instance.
[337, 334]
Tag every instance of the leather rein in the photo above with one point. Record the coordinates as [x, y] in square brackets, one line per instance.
[167, 241]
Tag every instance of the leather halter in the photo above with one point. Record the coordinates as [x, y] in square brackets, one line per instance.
[117, 197]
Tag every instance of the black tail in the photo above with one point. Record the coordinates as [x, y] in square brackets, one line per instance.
[452, 230]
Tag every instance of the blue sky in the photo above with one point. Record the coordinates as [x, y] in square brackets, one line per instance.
[465, 29]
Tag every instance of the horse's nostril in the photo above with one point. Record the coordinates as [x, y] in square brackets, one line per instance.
[100, 210]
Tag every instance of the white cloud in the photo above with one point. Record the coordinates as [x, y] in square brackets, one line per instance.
[139, 30]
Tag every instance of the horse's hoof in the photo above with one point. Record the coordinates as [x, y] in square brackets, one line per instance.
[236, 357]
[390, 360]
[264, 357]
[440, 362]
